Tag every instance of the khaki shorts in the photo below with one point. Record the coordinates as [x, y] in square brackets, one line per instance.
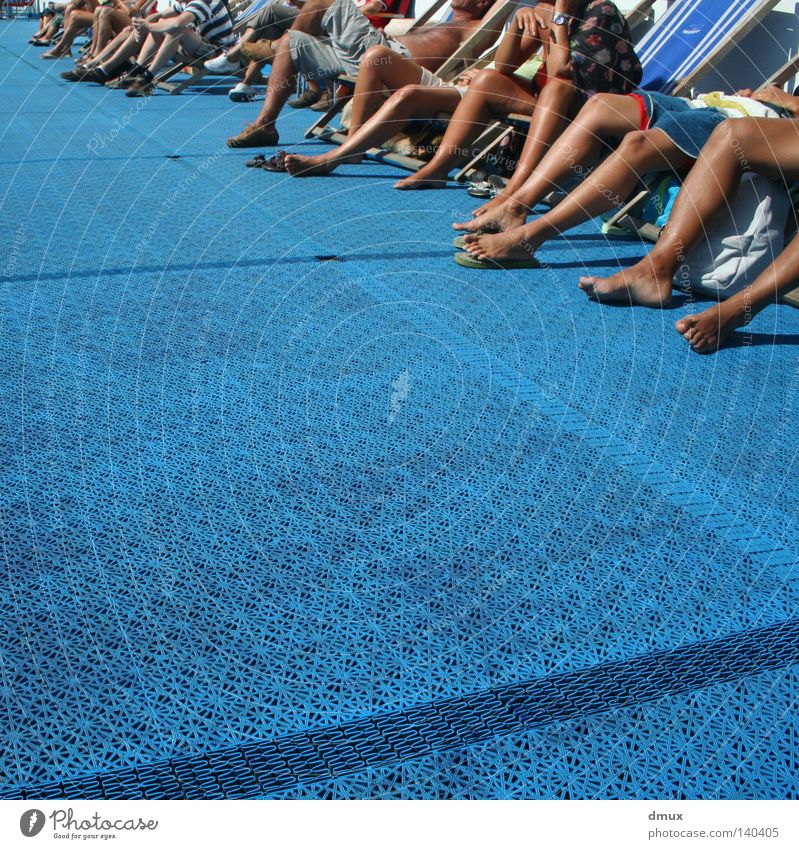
[273, 21]
[347, 36]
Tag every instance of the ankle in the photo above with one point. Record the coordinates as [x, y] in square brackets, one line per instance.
[515, 207]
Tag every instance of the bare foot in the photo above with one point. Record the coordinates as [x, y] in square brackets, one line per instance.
[707, 331]
[317, 166]
[642, 285]
[490, 205]
[415, 181]
[507, 216]
[513, 244]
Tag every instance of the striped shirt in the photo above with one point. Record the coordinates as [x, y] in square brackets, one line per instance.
[212, 20]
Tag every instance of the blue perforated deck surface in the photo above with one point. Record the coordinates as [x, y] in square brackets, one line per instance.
[377, 526]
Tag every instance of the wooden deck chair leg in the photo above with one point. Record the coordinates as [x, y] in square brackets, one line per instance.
[623, 213]
[783, 74]
[162, 79]
[319, 127]
[496, 133]
[194, 77]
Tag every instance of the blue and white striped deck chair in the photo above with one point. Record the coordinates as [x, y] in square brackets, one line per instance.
[693, 36]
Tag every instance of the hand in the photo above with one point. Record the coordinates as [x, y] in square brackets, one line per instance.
[140, 28]
[467, 76]
[533, 22]
[775, 96]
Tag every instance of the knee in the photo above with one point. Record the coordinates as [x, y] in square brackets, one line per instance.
[733, 136]
[485, 82]
[376, 56]
[633, 144]
[405, 96]
[558, 89]
[594, 110]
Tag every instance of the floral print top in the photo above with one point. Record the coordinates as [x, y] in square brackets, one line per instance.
[603, 58]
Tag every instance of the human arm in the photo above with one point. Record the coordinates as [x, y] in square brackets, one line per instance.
[559, 58]
[166, 25]
[773, 95]
[372, 7]
[528, 30]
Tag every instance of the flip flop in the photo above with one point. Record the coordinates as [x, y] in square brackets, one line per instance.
[256, 162]
[459, 242]
[275, 163]
[468, 261]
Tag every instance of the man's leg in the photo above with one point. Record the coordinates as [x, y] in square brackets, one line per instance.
[253, 73]
[282, 80]
[764, 145]
[381, 68]
[640, 152]
[295, 51]
[604, 116]
[234, 54]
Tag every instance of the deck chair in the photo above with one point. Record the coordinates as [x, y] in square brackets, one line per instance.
[465, 57]
[691, 37]
[195, 70]
[784, 73]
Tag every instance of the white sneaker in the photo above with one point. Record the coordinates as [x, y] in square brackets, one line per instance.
[242, 93]
[222, 65]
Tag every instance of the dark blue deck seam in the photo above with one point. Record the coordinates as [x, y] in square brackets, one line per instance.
[275, 766]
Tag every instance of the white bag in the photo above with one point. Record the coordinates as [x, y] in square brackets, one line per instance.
[740, 242]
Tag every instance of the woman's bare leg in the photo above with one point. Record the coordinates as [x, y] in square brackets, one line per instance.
[380, 68]
[764, 145]
[640, 152]
[707, 331]
[112, 21]
[556, 107]
[108, 51]
[79, 21]
[604, 116]
[409, 102]
[490, 94]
